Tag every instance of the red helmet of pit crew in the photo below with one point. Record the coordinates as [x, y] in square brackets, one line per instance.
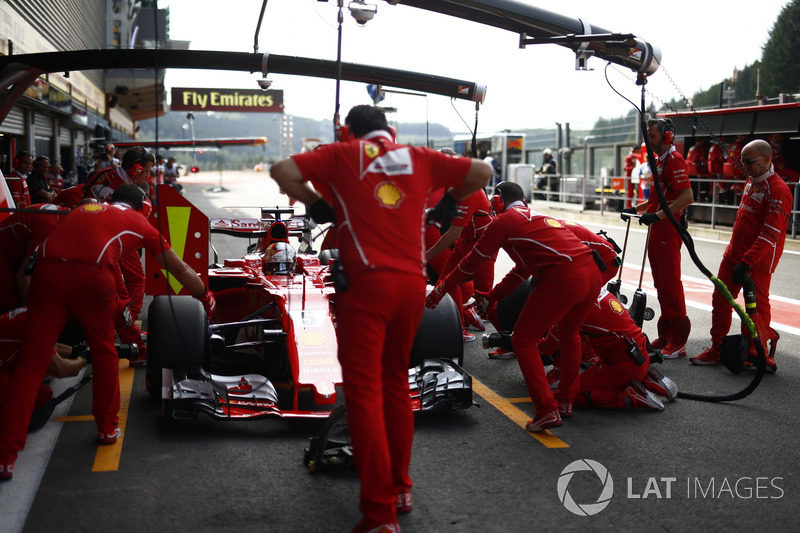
[279, 258]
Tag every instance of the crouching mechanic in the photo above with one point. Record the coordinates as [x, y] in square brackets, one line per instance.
[622, 377]
[568, 279]
[74, 276]
[378, 190]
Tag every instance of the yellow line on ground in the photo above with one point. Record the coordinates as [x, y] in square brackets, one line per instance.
[76, 418]
[107, 457]
[515, 414]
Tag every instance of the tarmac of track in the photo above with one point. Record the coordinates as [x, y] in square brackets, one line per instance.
[693, 467]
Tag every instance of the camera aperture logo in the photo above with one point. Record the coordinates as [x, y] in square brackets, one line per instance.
[585, 509]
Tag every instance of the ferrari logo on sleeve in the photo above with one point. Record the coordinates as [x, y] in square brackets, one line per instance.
[388, 194]
[371, 151]
[553, 223]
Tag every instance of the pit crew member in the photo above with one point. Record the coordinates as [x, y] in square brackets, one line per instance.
[74, 276]
[664, 247]
[378, 190]
[756, 246]
[568, 280]
[15, 179]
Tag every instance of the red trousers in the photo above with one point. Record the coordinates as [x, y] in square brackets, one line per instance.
[664, 251]
[721, 310]
[602, 384]
[562, 295]
[378, 316]
[58, 291]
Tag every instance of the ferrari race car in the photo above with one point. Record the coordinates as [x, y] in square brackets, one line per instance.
[270, 349]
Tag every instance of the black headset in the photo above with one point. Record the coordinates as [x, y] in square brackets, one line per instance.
[667, 129]
[138, 166]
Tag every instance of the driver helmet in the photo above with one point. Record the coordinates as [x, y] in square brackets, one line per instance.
[279, 258]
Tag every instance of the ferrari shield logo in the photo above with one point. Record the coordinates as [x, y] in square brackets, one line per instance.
[371, 151]
[388, 194]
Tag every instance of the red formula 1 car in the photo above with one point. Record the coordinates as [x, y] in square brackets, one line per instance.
[270, 349]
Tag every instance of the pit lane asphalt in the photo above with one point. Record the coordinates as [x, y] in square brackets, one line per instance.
[693, 467]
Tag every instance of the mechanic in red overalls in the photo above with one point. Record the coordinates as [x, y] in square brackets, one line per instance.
[474, 215]
[74, 276]
[378, 190]
[567, 280]
[664, 248]
[135, 168]
[15, 180]
[20, 234]
[633, 159]
[757, 240]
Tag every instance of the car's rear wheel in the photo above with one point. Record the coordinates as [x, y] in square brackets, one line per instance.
[177, 338]
[439, 334]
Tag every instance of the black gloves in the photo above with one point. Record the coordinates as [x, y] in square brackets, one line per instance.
[321, 212]
[649, 218]
[739, 272]
[627, 212]
[444, 212]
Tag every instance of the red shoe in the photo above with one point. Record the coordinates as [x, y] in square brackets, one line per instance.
[6, 471]
[659, 344]
[709, 357]
[565, 408]
[472, 319]
[553, 377]
[109, 438]
[468, 337]
[402, 504]
[638, 396]
[658, 383]
[673, 351]
[539, 423]
[502, 353]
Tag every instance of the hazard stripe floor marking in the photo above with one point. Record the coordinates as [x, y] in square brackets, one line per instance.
[107, 457]
[516, 415]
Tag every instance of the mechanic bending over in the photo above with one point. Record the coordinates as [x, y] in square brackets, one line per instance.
[568, 279]
[375, 190]
[74, 276]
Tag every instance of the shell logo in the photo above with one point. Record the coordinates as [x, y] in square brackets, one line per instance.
[553, 223]
[616, 306]
[388, 194]
[371, 151]
[313, 338]
[93, 208]
[569, 223]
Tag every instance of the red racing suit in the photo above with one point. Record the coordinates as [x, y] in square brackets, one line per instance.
[20, 234]
[631, 160]
[599, 243]
[378, 190]
[74, 276]
[101, 186]
[664, 251]
[567, 281]
[432, 234]
[19, 189]
[757, 239]
[474, 215]
[610, 330]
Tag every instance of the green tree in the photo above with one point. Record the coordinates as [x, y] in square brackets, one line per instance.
[779, 72]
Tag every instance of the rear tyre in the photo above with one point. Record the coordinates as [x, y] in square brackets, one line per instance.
[439, 334]
[177, 338]
[509, 308]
